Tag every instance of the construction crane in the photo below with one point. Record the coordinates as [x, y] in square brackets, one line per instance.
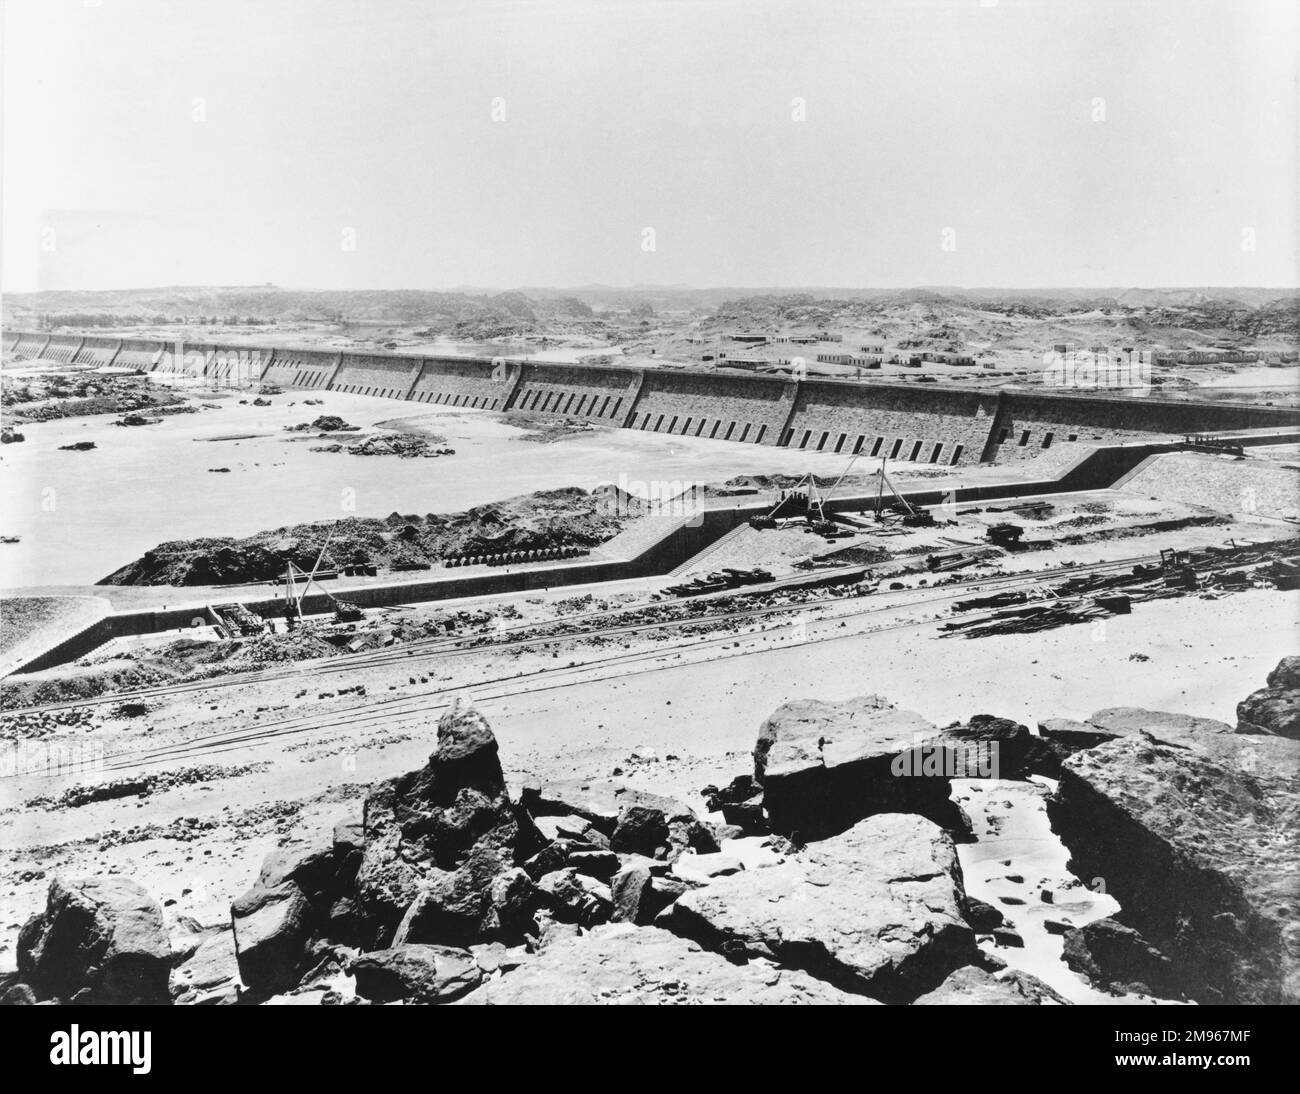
[343, 611]
[815, 507]
[914, 516]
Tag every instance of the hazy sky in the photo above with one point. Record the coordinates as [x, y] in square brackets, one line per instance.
[342, 144]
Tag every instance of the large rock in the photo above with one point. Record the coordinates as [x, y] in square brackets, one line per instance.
[1194, 830]
[875, 910]
[272, 930]
[824, 766]
[975, 987]
[100, 939]
[636, 821]
[623, 964]
[1116, 958]
[486, 898]
[212, 968]
[1275, 708]
[416, 973]
[442, 828]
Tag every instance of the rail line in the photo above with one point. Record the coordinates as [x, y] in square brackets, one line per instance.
[420, 650]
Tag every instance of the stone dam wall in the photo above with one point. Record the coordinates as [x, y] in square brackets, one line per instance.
[915, 423]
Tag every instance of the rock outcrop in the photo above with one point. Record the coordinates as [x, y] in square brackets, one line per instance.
[973, 986]
[876, 910]
[824, 766]
[1116, 958]
[622, 964]
[1194, 829]
[99, 940]
[820, 767]
[437, 839]
[1275, 708]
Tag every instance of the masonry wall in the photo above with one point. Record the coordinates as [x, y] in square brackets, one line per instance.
[139, 353]
[449, 382]
[297, 368]
[96, 352]
[720, 408]
[607, 394]
[1028, 423]
[917, 425]
[909, 422]
[62, 348]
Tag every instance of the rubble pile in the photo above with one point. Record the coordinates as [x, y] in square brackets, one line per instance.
[1210, 572]
[833, 877]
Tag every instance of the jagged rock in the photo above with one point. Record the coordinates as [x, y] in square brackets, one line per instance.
[875, 910]
[418, 973]
[1008, 936]
[702, 868]
[974, 987]
[598, 864]
[609, 805]
[272, 928]
[1004, 749]
[1114, 957]
[553, 930]
[554, 856]
[630, 891]
[641, 830]
[1117, 722]
[485, 898]
[349, 841]
[982, 917]
[623, 964]
[572, 828]
[576, 897]
[442, 833]
[212, 966]
[824, 766]
[1195, 834]
[740, 802]
[18, 995]
[1275, 708]
[101, 937]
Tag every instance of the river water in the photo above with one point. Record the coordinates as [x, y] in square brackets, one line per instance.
[82, 515]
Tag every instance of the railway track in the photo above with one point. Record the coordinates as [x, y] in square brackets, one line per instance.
[389, 713]
[422, 650]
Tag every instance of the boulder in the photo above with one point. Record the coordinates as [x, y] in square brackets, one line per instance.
[623, 964]
[824, 766]
[1116, 958]
[416, 973]
[634, 821]
[486, 898]
[1114, 722]
[1193, 830]
[1275, 708]
[703, 868]
[100, 939]
[442, 833]
[973, 986]
[982, 916]
[875, 910]
[994, 747]
[212, 967]
[630, 891]
[576, 898]
[272, 930]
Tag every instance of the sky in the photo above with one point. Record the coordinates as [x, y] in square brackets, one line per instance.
[435, 144]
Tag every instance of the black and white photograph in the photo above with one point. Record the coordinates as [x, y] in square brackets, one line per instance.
[695, 502]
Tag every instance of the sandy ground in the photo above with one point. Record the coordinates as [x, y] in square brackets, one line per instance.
[698, 706]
